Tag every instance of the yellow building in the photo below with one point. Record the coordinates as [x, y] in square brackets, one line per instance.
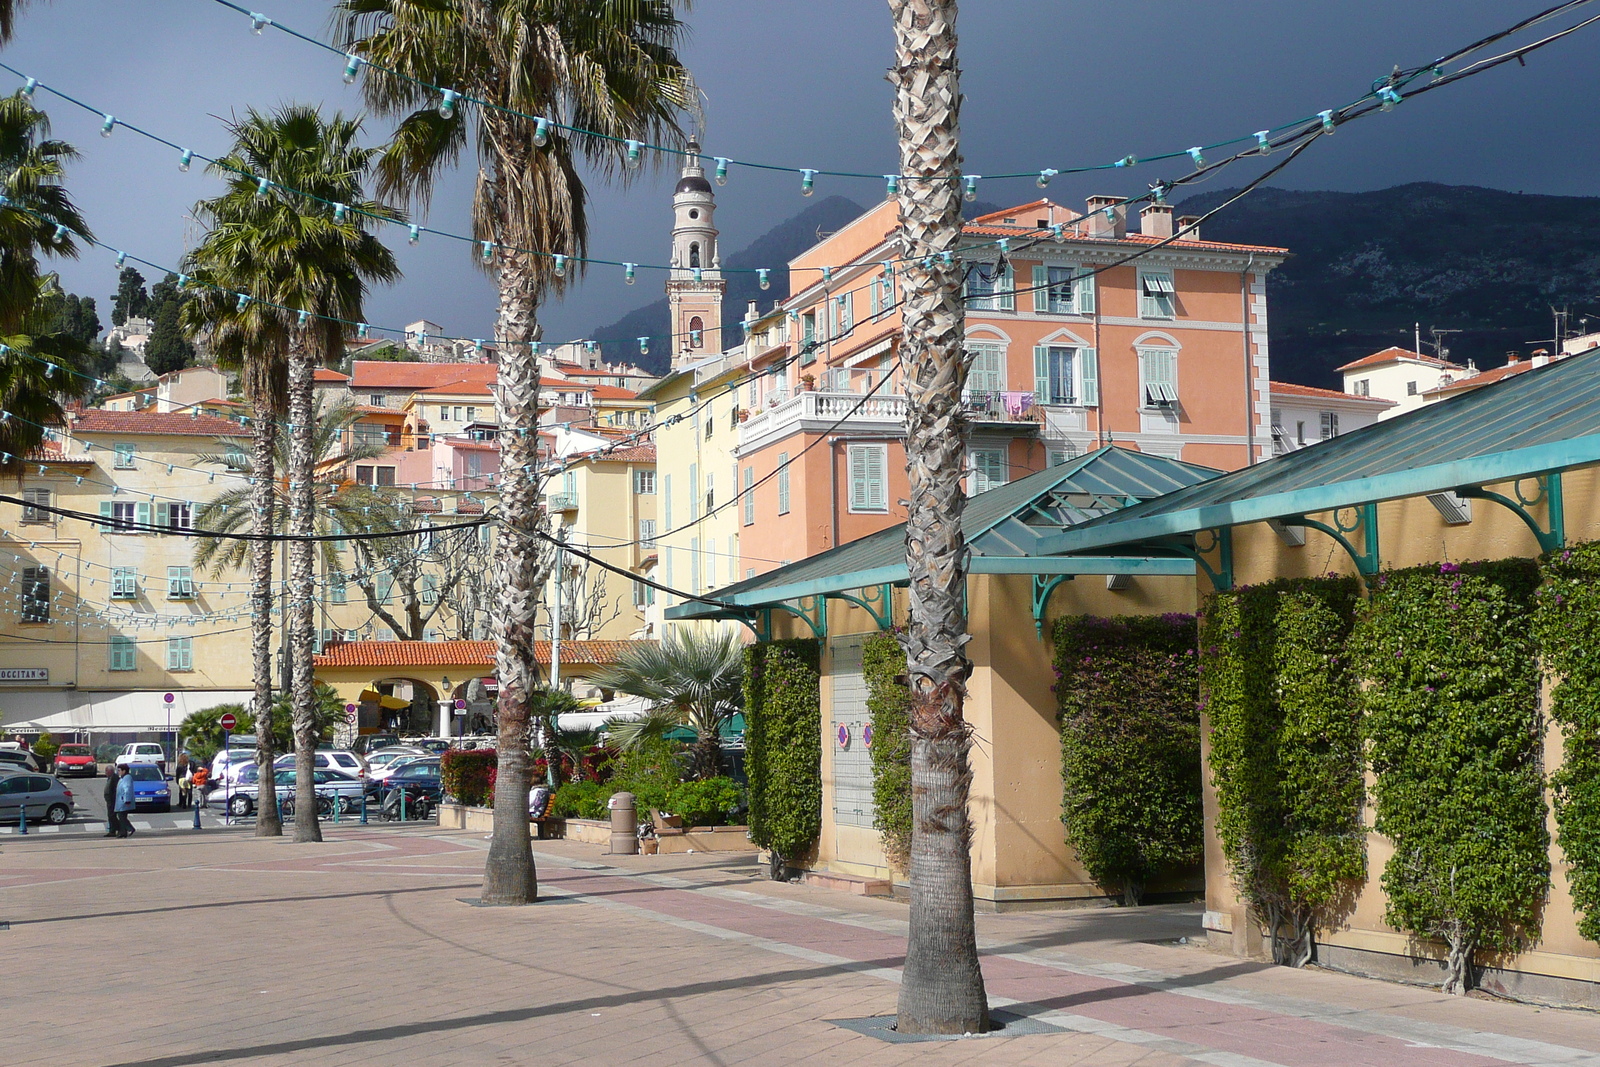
[604, 504]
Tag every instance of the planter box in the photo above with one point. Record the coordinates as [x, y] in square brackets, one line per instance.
[461, 817]
[708, 839]
[589, 831]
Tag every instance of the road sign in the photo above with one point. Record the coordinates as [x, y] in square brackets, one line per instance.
[228, 721]
[169, 698]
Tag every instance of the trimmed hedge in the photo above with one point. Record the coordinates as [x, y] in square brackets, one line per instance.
[1130, 746]
[1567, 626]
[1286, 751]
[468, 775]
[1452, 705]
[783, 745]
[883, 662]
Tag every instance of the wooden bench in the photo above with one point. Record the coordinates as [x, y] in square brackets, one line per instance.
[667, 825]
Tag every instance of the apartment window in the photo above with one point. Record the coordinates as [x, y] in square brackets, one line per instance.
[1300, 433]
[987, 372]
[1157, 297]
[124, 583]
[458, 412]
[711, 563]
[1330, 424]
[644, 482]
[1411, 389]
[694, 564]
[1158, 377]
[988, 470]
[711, 491]
[868, 477]
[429, 591]
[180, 653]
[808, 327]
[377, 400]
[697, 333]
[124, 654]
[175, 516]
[1055, 375]
[472, 414]
[125, 456]
[121, 515]
[882, 294]
[1364, 387]
[35, 594]
[444, 412]
[694, 491]
[1058, 456]
[749, 496]
[1063, 290]
[382, 477]
[647, 533]
[643, 595]
[338, 590]
[843, 314]
[711, 424]
[180, 583]
[34, 503]
[666, 501]
[383, 586]
[783, 483]
[990, 288]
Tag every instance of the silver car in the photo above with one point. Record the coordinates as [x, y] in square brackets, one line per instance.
[335, 789]
[42, 796]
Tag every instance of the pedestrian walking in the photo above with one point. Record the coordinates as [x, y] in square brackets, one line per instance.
[124, 805]
[202, 781]
[111, 801]
[180, 775]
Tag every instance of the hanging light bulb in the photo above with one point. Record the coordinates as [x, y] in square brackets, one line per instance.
[1388, 97]
[971, 182]
[29, 86]
[1264, 142]
[258, 22]
[827, 275]
[361, 331]
[588, 346]
[892, 184]
[183, 281]
[561, 266]
[1199, 160]
[765, 277]
[61, 232]
[447, 104]
[1004, 244]
[627, 273]
[262, 186]
[186, 158]
[535, 346]
[807, 181]
[107, 126]
[1127, 161]
[1045, 176]
[1327, 121]
[541, 132]
[487, 251]
[244, 301]
[1160, 192]
[302, 318]
[633, 154]
[122, 257]
[352, 67]
[722, 170]
[338, 212]
[415, 235]
[644, 346]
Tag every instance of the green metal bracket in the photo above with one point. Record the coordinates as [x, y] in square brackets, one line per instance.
[812, 610]
[1218, 540]
[1551, 536]
[1366, 522]
[875, 600]
[1043, 586]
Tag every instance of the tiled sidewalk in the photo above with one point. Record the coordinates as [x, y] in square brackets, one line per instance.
[179, 948]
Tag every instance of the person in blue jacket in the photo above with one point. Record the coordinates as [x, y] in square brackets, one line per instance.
[124, 805]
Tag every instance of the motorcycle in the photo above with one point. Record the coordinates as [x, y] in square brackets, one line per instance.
[417, 805]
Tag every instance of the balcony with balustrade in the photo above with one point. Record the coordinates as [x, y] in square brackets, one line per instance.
[809, 411]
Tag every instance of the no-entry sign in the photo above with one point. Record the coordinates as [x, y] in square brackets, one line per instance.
[227, 721]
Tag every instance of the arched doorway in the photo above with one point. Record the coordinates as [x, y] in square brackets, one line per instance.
[406, 706]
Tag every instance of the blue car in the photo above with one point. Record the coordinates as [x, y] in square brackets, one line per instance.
[150, 792]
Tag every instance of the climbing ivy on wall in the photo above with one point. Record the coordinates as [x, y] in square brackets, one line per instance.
[783, 746]
[1130, 746]
[1567, 627]
[1286, 752]
[1452, 711]
[883, 662]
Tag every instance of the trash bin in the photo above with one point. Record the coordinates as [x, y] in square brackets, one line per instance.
[624, 825]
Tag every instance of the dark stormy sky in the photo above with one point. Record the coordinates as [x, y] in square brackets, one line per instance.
[800, 82]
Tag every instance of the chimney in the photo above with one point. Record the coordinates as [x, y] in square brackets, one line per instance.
[1185, 221]
[1541, 356]
[1156, 220]
[1116, 227]
[1513, 358]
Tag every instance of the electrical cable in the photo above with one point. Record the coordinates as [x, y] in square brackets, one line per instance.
[145, 527]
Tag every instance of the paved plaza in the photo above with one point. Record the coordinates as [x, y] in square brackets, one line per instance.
[177, 948]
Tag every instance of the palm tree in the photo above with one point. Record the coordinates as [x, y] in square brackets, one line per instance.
[9, 10]
[37, 217]
[942, 990]
[608, 66]
[311, 254]
[691, 679]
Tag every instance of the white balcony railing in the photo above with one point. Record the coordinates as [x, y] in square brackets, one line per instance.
[824, 409]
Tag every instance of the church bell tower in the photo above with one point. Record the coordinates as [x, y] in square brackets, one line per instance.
[695, 285]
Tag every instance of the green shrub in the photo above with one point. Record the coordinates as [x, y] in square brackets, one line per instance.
[783, 745]
[45, 748]
[582, 800]
[1452, 705]
[883, 662]
[1286, 754]
[468, 775]
[650, 771]
[708, 802]
[1130, 746]
[1567, 627]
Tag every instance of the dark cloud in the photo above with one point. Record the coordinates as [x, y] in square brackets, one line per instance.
[800, 82]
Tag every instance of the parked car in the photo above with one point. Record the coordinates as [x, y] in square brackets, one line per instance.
[328, 760]
[418, 776]
[149, 787]
[12, 759]
[342, 789]
[372, 742]
[144, 752]
[386, 761]
[241, 747]
[435, 745]
[77, 760]
[42, 796]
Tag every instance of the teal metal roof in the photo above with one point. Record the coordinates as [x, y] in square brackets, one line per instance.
[1535, 423]
[1003, 526]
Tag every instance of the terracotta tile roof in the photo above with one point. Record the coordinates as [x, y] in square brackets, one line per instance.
[174, 423]
[50, 452]
[612, 392]
[323, 374]
[463, 653]
[1394, 355]
[383, 374]
[1291, 389]
[458, 387]
[637, 454]
[1026, 215]
[1488, 377]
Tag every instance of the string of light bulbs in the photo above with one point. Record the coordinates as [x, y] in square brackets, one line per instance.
[1387, 91]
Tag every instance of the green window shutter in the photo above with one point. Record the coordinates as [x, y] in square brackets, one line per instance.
[1085, 293]
[1041, 290]
[1088, 377]
[858, 478]
[161, 516]
[1041, 374]
[141, 514]
[105, 509]
[1006, 290]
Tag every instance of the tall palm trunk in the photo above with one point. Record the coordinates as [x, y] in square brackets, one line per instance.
[520, 570]
[262, 443]
[942, 990]
[302, 416]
